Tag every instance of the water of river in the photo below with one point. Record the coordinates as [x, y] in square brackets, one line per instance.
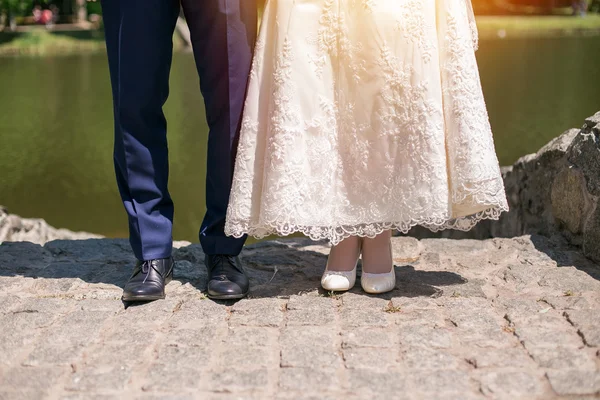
[56, 126]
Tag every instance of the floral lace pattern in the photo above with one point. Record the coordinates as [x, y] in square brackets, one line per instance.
[363, 116]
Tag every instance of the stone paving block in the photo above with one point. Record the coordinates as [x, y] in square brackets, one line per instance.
[359, 310]
[452, 396]
[310, 310]
[423, 335]
[169, 378]
[313, 379]
[257, 312]
[558, 357]
[515, 357]
[9, 303]
[119, 331]
[512, 384]
[429, 317]
[569, 278]
[591, 335]
[115, 354]
[249, 336]
[418, 357]
[516, 307]
[99, 377]
[570, 302]
[236, 380]
[575, 382]
[178, 356]
[522, 276]
[51, 306]
[198, 310]
[442, 380]
[368, 337]
[64, 341]
[588, 324]
[451, 247]
[543, 336]
[544, 318]
[314, 395]
[390, 383]
[309, 347]
[415, 303]
[19, 331]
[22, 394]
[155, 312]
[99, 305]
[246, 356]
[38, 379]
[471, 288]
[16, 287]
[486, 336]
[255, 395]
[89, 396]
[369, 357]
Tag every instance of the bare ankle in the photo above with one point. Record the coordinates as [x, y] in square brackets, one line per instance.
[344, 255]
[377, 254]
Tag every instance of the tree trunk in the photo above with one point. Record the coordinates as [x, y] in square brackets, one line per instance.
[81, 7]
[12, 22]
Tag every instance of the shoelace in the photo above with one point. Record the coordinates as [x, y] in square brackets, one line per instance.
[219, 262]
[146, 265]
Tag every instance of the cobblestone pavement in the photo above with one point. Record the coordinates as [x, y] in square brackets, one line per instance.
[502, 318]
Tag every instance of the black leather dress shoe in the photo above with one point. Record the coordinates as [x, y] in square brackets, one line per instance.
[226, 277]
[149, 279]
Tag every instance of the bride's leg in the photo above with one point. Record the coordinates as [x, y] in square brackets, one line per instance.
[344, 255]
[378, 264]
[340, 274]
[377, 255]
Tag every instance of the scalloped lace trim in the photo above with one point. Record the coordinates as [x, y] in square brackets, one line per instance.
[336, 234]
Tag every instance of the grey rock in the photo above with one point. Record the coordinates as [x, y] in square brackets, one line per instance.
[16, 229]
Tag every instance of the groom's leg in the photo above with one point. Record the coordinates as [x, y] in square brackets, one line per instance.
[139, 43]
[223, 34]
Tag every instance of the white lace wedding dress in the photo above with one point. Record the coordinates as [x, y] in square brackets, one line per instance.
[362, 116]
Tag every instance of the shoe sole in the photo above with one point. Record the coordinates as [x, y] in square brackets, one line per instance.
[132, 299]
[143, 298]
[227, 296]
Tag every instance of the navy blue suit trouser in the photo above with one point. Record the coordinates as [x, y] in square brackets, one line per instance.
[139, 44]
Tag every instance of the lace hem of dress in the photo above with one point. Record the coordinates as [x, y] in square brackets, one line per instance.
[335, 234]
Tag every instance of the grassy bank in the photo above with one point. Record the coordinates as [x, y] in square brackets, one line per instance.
[42, 42]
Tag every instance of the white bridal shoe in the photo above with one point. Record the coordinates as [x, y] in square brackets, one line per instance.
[339, 281]
[378, 283]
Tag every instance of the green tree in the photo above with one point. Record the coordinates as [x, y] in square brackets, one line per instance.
[13, 9]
